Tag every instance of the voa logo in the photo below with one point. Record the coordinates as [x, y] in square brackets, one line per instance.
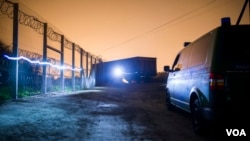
[236, 132]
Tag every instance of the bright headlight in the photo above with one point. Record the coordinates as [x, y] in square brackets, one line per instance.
[118, 71]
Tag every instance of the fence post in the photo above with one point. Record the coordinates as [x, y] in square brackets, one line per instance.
[62, 63]
[15, 50]
[90, 72]
[82, 70]
[73, 66]
[44, 86]
[87, 64]
[87, 71]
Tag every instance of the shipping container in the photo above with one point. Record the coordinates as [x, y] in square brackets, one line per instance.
[128, 70]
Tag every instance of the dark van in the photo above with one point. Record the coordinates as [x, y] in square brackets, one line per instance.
[210, 77]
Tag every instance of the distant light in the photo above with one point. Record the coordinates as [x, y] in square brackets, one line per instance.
[125, 80]
[41, 63]
[118, 71]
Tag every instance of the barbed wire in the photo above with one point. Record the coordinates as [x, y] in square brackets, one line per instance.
[30, 21]
[68, 44]
[33, 22]
[36, 56]
[52, 35]
[52, 71]
[78, 48]
[6, 8]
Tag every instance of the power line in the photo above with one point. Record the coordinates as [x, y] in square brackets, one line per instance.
[160, 27]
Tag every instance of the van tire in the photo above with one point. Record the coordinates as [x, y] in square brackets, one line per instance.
[197, 120]
[170, 107]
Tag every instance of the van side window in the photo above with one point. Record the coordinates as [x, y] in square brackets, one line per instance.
[181, 59]
[199, 51]
[176, 60]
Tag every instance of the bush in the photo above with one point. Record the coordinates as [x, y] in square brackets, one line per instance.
[5, 93]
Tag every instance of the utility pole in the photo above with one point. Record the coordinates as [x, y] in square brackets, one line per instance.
[243, 10]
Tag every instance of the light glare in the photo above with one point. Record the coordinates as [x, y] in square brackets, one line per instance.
[118, 71]
[42, 63]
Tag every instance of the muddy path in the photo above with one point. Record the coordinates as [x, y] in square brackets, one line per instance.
[113, 113]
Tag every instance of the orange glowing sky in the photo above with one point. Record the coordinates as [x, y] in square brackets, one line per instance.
[116, 29]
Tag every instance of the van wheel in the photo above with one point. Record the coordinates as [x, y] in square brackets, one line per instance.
[197, 121]
[170, 107]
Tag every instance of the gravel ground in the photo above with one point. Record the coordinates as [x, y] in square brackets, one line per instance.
[117, 113]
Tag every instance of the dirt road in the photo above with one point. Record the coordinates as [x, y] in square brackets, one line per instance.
[117, 113]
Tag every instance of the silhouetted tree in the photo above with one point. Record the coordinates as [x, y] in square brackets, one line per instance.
[4, 49]
[4, 63]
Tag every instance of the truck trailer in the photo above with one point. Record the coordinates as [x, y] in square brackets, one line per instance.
[128, 70]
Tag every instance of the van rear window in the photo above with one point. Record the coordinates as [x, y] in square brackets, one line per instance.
[236, 47]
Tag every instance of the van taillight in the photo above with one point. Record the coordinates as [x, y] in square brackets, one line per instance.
[216, 81]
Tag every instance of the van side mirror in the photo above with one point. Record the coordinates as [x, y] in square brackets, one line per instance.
[166, 68]
[177, 69]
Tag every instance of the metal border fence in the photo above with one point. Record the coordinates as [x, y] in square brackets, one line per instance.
[41, 65]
